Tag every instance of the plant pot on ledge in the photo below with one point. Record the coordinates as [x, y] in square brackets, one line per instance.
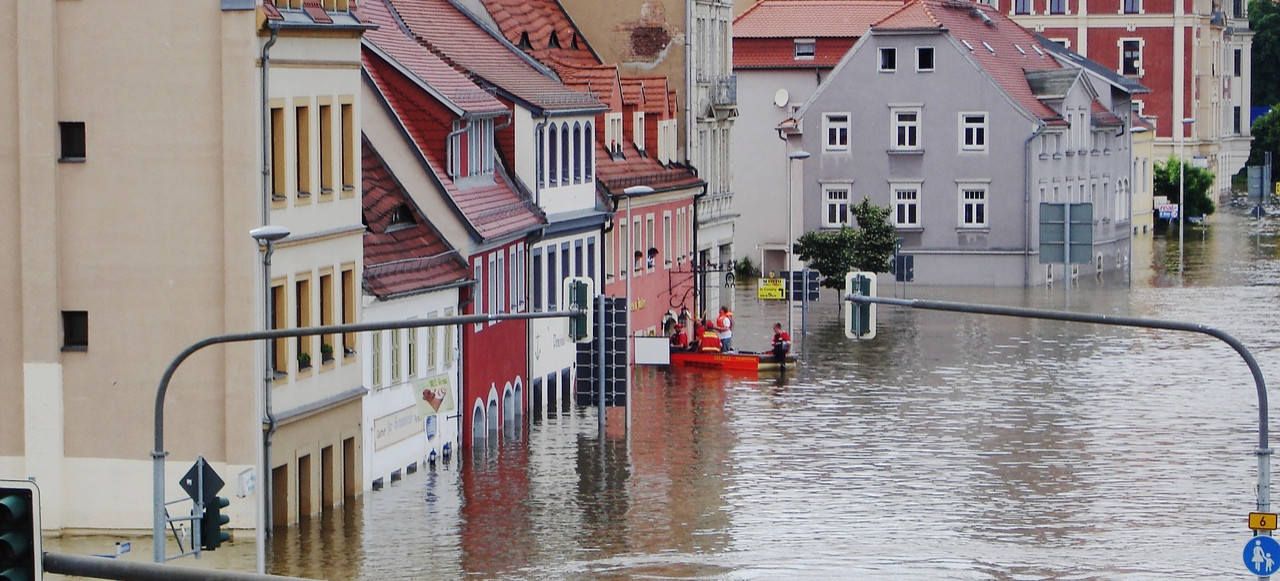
[304, 361]
[326, 353]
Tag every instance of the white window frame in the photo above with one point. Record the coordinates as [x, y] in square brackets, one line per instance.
[806, 49]
[895, 188]
[1142, 45]
[830, 122]
[832, 203]
[478, 271]
[637, 129]
[612, 129]
[978, 195]
[914, 128]
[880, 59]
[974, 136]
[920, 50]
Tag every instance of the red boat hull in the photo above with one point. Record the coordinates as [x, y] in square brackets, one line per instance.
[741, 361]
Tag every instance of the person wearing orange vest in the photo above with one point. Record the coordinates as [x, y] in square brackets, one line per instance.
[724, 329]
[708, 342]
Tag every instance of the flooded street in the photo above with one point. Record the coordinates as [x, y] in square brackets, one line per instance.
[949, 447]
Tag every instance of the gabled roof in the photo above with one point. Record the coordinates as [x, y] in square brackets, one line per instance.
[492, 210]
[530, 24]
[599, 80]
[634, 169]
[1072, 58]
[472, 48]
[999, 47]
[811, 18]
[446, 85]
[401, 257]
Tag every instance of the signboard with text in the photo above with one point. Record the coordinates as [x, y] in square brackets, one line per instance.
[772, 288]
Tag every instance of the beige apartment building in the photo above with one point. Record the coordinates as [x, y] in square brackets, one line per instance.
[134, 165]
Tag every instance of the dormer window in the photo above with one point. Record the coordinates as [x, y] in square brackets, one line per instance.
[524, 43]
[471, 150]
[554, 41]
[401, 218]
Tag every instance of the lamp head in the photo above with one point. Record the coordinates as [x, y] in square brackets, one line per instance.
[799, 155]
[269, 233]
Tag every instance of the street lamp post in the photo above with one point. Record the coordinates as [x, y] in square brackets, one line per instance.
[631, 236]
[266, 236]
[1182, 188]
[791, 269]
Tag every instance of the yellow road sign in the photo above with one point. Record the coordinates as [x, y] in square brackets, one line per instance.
[1262, 521]
[772, 288]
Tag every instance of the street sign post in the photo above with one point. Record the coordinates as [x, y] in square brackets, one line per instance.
[772, 288]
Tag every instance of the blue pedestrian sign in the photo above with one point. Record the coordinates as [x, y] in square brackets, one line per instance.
[1260, 555]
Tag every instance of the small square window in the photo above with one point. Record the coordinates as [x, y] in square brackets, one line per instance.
[75, 330]
[888, 60]
[924, 58]
[73, 146]
[806, 48]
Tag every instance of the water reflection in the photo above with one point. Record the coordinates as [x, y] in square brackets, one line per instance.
[951, 446]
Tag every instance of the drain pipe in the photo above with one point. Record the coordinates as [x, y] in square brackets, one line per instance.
[264, 468]
[1026, 205]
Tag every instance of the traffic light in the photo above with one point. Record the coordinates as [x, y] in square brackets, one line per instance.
[211, 533]
[21, 558]
[860, 318]
[578, 294]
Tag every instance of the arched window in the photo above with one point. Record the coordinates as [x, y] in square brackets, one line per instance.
[564, 153]
[577, 153]
[553, 160]
[588, 138]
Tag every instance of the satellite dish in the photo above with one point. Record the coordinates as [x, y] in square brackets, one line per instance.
[780, 98]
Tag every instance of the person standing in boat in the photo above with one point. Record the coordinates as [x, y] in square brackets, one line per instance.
[724, 329]
[708, 338]
[781, 345]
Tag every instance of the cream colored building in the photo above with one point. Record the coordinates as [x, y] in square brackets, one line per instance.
[131, 173]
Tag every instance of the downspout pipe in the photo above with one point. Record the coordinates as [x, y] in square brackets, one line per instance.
[264, 491]
[699, 277]
[1026, 204]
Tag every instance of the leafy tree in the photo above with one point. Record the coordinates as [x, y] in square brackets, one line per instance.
[1264, 20]
[1266, 137]
[833, 253]
[1197, 183]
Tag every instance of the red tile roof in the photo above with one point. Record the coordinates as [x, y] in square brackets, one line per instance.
[811, 18]
[455, 37]
[401, 258]
[1005, 50]
[535, 21]
[779, 53]
[493, 210]
[435, 75]
[581, 69]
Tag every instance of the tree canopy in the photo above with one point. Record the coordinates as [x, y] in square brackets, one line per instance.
[1264, 21]
[1266, 137]
[835, 252]
[1197, 182]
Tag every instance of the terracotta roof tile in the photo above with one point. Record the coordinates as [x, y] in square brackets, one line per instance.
[391, 39]
[535, 21]
[493, 210]
[1005, 50]
[779, 53]
[582, 70]
[401, 257]
[452, 35]
[811, 18]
